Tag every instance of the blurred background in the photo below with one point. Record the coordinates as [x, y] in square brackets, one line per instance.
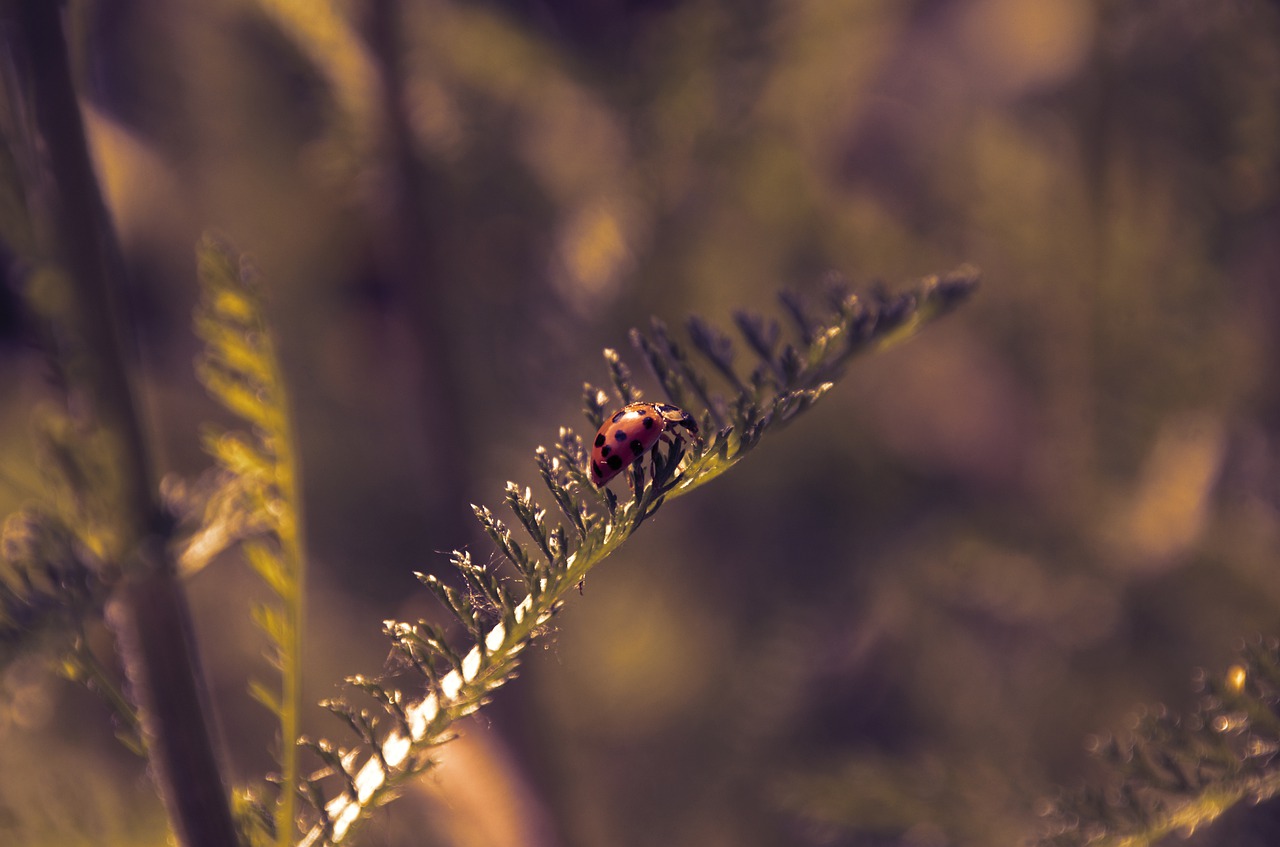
[896, 624]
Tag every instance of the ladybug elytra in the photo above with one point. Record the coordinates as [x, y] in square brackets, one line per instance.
[633, 431]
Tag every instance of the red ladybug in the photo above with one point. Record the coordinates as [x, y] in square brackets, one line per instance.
[633, 431]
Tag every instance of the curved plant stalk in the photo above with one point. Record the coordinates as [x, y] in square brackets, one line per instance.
[257, 498]
[786, 380]
[319, 31]
[1176, 773]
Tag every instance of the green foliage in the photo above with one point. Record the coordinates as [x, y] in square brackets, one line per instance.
[56, 570]
[55, 577]
[255, 501]
[48, 586]
[1174, 773]
[782, 380]
[1115, 162]
[54, 574]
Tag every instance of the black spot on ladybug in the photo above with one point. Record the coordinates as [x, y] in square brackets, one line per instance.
[606, 450]
[600, 439]
[620, 435]
[648, 423]
[615, 462]
[637, 447]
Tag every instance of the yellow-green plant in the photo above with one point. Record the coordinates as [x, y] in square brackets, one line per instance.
[255, 502]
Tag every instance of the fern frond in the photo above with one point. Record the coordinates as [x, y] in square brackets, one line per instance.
[1176, 773]
[255, 502]
[49, 582]
[54, 586]
[790, 378]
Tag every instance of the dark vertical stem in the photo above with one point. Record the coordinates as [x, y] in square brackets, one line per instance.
[149, 611]
[86, 244]
[152, 623]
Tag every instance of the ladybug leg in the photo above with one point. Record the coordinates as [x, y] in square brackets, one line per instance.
[691, 430]
[690, 436]
[669, 438]
[635, 474]
[671, 435]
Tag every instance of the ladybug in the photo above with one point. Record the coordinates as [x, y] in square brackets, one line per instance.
[632, 431]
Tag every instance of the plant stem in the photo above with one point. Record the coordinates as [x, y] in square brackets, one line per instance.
[149, 612]
[153, 629]
[293, 551]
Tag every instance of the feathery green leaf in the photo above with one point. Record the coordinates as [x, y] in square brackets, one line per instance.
[258, 493]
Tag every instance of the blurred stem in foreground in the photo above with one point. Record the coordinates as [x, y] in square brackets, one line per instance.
[148, 611]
